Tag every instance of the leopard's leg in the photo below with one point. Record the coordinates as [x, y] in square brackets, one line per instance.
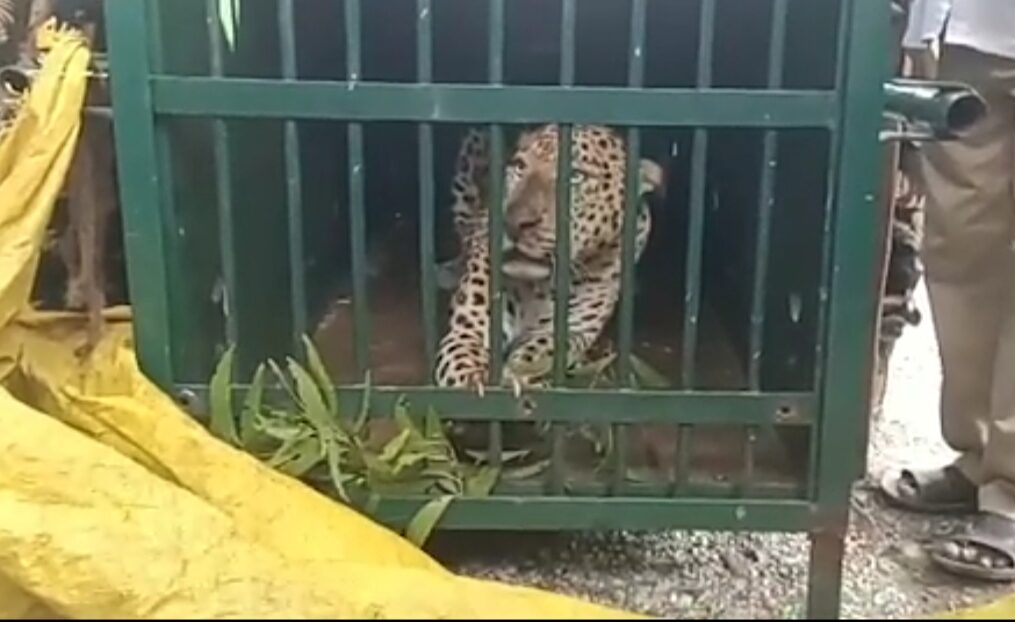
[594, 293]
[463, 354]
[590, 306]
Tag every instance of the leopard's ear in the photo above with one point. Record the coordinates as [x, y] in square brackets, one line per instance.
[652, 179]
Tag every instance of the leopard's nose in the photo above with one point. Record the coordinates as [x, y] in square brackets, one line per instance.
[521, 225]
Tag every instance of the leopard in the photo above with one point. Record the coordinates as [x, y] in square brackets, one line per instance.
[598, 198]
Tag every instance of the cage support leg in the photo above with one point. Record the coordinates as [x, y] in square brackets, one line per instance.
[824, 589]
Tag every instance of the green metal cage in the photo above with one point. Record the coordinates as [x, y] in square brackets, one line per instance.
[271, 156]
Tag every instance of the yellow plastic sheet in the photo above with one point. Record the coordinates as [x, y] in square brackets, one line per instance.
[116, 504]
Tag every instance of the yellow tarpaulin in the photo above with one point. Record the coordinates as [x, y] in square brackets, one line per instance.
[116, 504]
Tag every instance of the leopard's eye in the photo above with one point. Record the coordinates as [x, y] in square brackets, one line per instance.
[517, 163]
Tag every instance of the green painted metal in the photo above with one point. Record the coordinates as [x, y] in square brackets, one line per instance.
[587, 406]
[766, 200]
[224, 174]
[249, 97]
[850, 335]
[944, 108]
[141, 196]
[563, 277]
[550, 514]
[696, 227]
[427, 218]
[294, 182]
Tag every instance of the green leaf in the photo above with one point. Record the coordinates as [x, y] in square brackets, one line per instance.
[307, 454]
[647, 375]
[321, 375]
[408, 461]
[433, 429]
[377, 470]
[279, 429]
[482, 457]
[527, 471]
[229, 19]
[364, 410]
[310, 397]
[395, 446]
[252, 406]
[282, 380]
[223, 423]
[338, 480]
[482, 483]
[425, 521]
[401, 415]
[287, 451]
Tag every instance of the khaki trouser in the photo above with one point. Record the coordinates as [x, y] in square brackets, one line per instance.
[970, 269]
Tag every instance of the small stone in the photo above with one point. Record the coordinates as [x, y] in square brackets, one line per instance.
[969, 554]
[952, 550]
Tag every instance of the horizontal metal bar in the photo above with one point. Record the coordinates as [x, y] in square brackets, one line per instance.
[598, 406]
[552, 514]
[701, 488]
[210, 97]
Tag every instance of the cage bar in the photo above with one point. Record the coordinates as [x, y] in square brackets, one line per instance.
[750, 455]
[427, 224]
[562, 273]
[828, 233]
[496, 218]
[563, 215]
[485, 103]
[142, 147]
[357, 209]
[682, 464]
[696, 225]
[769, 162]
[562, 298]
[635, 78]
[636, 74]
[223, 182]
[294, 182]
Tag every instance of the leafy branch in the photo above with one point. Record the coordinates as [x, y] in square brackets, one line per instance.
[305, 435]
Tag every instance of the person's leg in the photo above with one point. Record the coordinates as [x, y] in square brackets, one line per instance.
[967, 246]
[970, 262]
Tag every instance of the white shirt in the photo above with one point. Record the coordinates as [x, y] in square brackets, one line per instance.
[984, 25]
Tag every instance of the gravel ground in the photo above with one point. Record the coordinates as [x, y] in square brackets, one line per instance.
[718, 575]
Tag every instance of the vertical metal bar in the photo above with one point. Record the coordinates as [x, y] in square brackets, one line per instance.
[223, 181]
[563, 224]
[683, 462]
[632, 207]
[140, 189]
[851, 327]
[294, 183]
[357, 210]
[428, 268]
[620, 437]
[496, 216]
[563, 228]
[750, 455]
[769, 162]
[696, 226]
[827, 234]
[636, 72]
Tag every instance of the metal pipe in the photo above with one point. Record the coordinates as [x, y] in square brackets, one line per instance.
[943, 109]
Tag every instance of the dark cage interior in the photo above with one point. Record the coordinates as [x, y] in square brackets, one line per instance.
[764, 195]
